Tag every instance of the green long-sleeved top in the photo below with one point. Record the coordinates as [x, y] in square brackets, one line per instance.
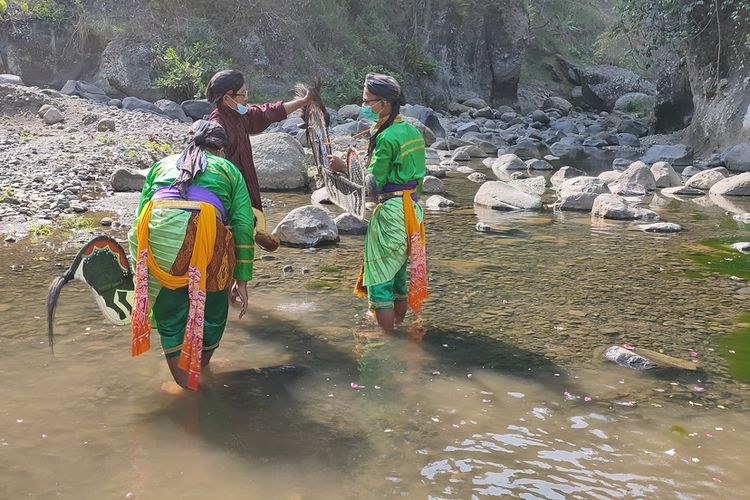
[399, 155]
[223, 179]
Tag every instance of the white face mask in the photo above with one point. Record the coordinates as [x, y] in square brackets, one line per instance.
[241, 108]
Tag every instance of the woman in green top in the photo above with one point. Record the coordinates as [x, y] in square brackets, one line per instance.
[187, 257]
[395, 234]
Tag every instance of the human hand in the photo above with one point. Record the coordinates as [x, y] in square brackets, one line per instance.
[336, 164]
[239, 293]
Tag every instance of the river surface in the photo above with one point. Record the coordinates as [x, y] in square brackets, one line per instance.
[496, 391]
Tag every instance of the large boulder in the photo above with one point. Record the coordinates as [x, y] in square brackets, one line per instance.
[737, 185]
[737, 158]
[706, 179]
[8, 79]
[664, 175]
[196, 108]
[559, 104]
[349, 224]
[564, 174]
[307, 226]
[499, 195]
[172, 110]
[603, 85]
[432, 185]
[532, 185]
[349, 112]
[85, 90]
[127, 65]
[279, 161]
[579, 193]
[612, 206]
[136, 104]
[425, 115]
[677, 155]
[636, 180]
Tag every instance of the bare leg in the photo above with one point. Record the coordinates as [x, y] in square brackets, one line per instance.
[386, 319]
[206, 357]
[399, 308]
[179, 375]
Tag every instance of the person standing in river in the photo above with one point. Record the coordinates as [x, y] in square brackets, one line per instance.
[395, 234]
[227, 92]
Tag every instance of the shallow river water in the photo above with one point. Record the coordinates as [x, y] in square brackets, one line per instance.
[496, 391]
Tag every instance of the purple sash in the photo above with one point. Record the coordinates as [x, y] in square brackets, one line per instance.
[194, 193]
[392, 188]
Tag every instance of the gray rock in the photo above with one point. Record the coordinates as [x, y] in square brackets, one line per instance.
[660, 227]
[682, 190]
[636, 180]
[106, 125]
[633, 127]
[437, 202]
[475, 102]
[8, 79]
[579, 193]
[53, 116]
[603, 85]
[628, 140]
[478, 177]
[621, 164]
[320, 196]
[450, 143]
[43, 109]
[425, 115]
[690, 171]
[106, 221]
[737, 158]
[564, 174]
[137, 104]
[307, 226]
[351, 128]
[562, 105]
[499, 195]
[612, 206]
[664, 175]
[432, 185]
[532, 185]
[89, 118]
[463, 128]
[465, 170]
[349, 224]
[609, 176]
[85, 90]
[350, 112]
[196, 108]
[677, 155]
[509, 162]
[536, 164]
[737, 185]
[460, 155]
[126, 64]
[567, 148]
[172, 110]
[525, 149]
[707, 178]
[125, 179]
[279, 161]
[115, 103]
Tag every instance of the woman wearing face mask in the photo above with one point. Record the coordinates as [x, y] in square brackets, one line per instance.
[227, 92]
[395, 234]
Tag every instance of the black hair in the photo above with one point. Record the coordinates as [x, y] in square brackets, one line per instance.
[222, 82]
[203, 134]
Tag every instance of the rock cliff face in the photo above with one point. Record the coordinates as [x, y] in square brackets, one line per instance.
[479, 47]
[721, 98]
[47, 54]
[478, 52]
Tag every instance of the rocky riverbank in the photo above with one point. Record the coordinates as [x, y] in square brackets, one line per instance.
[67, 154]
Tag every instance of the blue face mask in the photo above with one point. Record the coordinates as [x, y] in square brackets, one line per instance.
[368, 113]
[241, 109]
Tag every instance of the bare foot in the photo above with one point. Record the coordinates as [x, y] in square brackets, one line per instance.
[171, 387]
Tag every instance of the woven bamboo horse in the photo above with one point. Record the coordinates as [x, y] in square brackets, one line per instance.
[348, 190]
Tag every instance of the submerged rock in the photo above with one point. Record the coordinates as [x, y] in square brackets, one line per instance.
[660, 227]
[628, 359]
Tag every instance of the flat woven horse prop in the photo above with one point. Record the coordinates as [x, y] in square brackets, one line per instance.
[349, 190]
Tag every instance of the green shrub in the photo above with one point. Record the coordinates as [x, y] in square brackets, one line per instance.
[184, 71]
